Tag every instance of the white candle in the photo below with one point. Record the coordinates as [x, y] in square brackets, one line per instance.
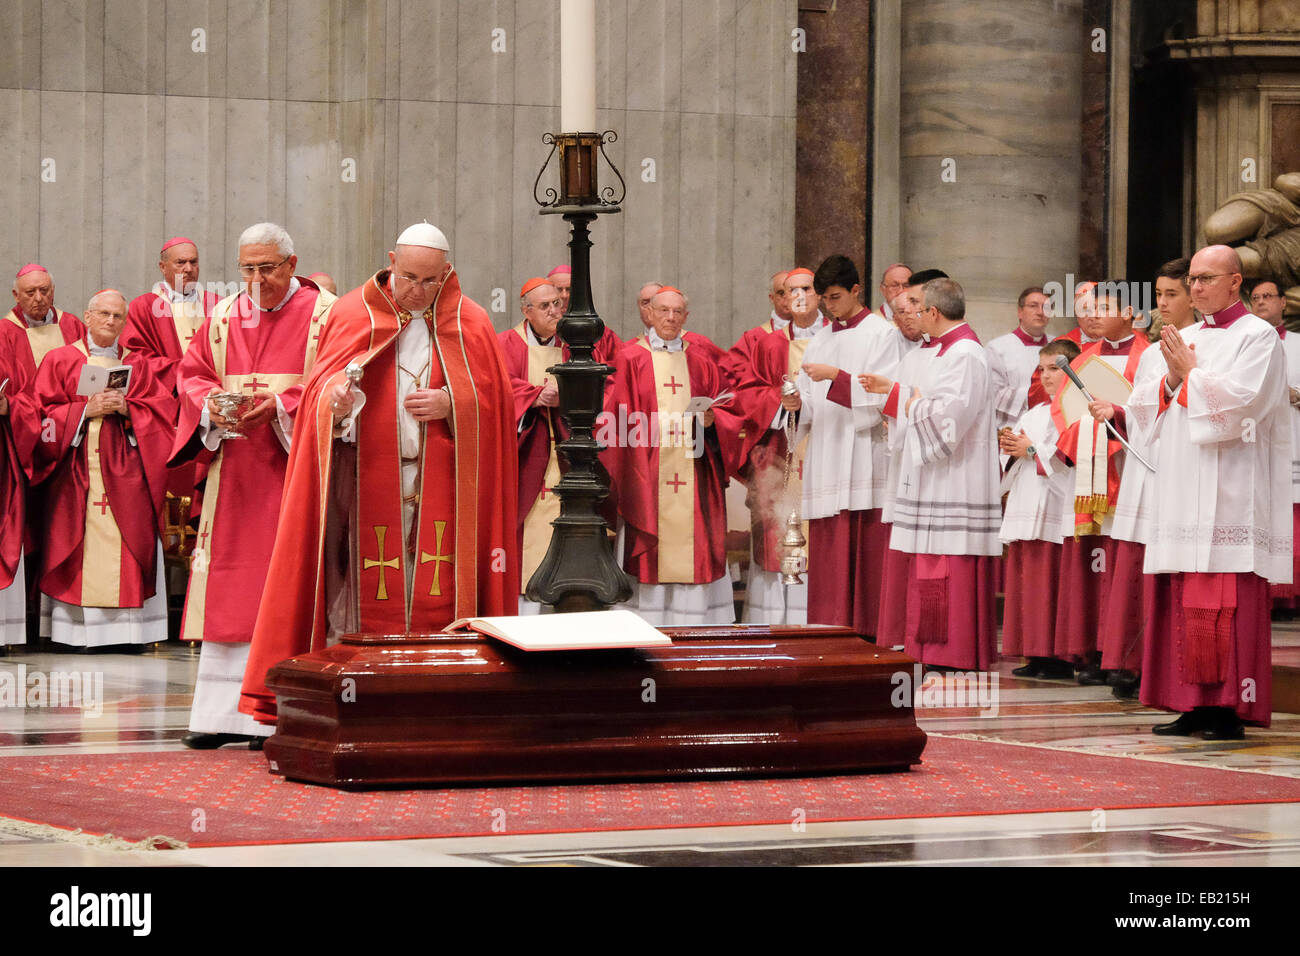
[577, 66]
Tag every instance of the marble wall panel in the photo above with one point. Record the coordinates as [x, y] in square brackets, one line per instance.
[538, 243]
[708, 56]
[704, 200]
[654, 55]
[254, 33]
[485, 76]
[651, 213]
[314, 187]
[71, 206]
[426, 166]
[254, 164]
[135, 46]
[134, 165]
[195, 62]
[611, 55]
[193, 189]
[361, 43]
[310, 37]
[426, 41]
[71, 45]
[765, 61]
[990, 168]
[537, 67]
[761, 221]
[20, 190]
[20, 46]
[480, 234]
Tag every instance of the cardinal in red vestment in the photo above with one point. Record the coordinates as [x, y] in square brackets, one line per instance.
[669, 467]
[530, 348]
[161, 323]
[428, 431]
[103, 468]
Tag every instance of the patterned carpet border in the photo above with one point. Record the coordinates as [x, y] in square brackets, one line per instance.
[228, 798]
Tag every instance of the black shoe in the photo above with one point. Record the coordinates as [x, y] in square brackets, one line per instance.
[1186, 725]
[1032, 669]
[1125, 684]
[256, 743]
[1226, 725]
[1092, 677]
[213, 741]
[1056, 669]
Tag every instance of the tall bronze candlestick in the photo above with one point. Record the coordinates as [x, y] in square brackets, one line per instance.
[579, 572]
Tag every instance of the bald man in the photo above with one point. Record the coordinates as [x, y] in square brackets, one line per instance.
[1222, 528]
[103, 464]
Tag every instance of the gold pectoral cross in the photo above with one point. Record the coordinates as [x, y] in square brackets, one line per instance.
[425, 557]
[381, 564]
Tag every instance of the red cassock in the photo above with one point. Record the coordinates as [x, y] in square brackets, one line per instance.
[736, 362]
[541, 427]
[23, 349]
[241, 349]
[763, 449]
[13, 484]
[159, 332]
[639, 481]
[465, 520]
[103, 493]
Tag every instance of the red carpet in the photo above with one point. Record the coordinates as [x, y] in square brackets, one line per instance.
[137, 796]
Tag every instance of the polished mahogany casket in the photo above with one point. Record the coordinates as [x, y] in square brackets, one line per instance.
[462, 708]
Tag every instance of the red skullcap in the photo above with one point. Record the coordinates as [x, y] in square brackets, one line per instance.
[669, 288]
[798, 272]
[176, 241]
[532, 284]
[559, 270]
[31, 267]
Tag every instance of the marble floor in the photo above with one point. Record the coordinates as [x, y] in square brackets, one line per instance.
[144, 701]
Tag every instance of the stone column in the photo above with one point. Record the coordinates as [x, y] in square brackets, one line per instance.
[989, 144]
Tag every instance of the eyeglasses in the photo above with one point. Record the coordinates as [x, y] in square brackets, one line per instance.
[1264, 296]
[427, 285]
[1207, 279]
[260, 269]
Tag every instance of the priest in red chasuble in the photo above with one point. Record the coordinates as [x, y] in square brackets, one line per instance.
[399, 506]
[103, 465]
[669, 467]
[775, 488]
[160, 324]
[530, 348]
[259, 344]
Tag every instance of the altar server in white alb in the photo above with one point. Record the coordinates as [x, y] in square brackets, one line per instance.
[1040, 499]
[1222, 528]
[847, 460]
[947, 511]
[1014, 357]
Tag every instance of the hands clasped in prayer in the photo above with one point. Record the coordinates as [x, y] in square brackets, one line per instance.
[108, 402]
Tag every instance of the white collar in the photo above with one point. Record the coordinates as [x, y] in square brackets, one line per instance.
[659, 345]
[294, 286]
[797, 333]
[174, 296]
[37, 323]
[108, 351]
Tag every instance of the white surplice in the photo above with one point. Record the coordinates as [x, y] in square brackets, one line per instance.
[947, 500]
[1223, 463]
[846, 464]
[1012, 360]
[1036, 502]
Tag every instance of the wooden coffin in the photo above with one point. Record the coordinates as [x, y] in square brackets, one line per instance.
[445, 709]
